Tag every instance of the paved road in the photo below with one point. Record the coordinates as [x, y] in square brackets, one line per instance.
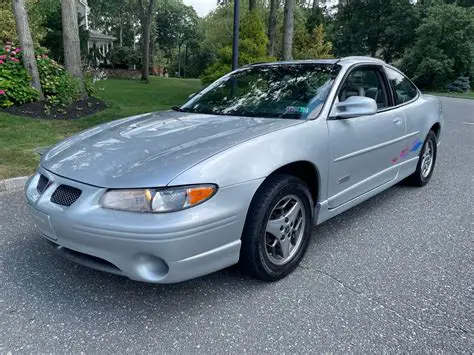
[394, 274]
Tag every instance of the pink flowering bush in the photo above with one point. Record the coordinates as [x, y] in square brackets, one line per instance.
[15, 89]
[15, 85]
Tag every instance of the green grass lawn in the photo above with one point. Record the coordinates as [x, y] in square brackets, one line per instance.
[467, 95]
[20, 136]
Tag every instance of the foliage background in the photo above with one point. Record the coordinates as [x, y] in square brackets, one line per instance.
[431, 40]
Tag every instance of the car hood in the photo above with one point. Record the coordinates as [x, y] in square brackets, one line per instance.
[151, 150]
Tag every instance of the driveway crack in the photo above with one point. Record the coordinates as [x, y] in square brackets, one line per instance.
[418, 324]
[339, 281]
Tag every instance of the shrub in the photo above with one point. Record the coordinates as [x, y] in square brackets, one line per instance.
[124, 58]
[58, 86]
[15, 85]
[461, 84]
[123, 74]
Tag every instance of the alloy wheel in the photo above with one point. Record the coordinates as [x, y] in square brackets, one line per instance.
[285, 230]
[427, 159]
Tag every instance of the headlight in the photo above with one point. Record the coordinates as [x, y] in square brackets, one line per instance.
[158, 200]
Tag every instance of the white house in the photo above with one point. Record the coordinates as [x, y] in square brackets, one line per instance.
[101, 41]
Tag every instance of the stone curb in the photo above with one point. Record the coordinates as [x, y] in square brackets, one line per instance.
[13, 184]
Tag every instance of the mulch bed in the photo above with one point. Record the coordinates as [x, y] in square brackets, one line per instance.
[41, 110]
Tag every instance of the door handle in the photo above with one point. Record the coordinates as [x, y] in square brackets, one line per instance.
[397, 121]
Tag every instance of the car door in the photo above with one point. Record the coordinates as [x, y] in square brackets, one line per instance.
[363, 149]
[405, 94]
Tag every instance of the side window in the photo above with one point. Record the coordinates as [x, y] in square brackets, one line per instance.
[365, 81]
[403, 89]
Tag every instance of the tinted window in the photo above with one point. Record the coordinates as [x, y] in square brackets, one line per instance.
[366, 82]
[403, 89]
[277, 91]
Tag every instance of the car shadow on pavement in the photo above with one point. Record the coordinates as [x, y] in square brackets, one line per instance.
[354, 215]
[38, 273]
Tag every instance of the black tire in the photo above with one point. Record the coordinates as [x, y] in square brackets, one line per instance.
[417, 178]
[253, 257]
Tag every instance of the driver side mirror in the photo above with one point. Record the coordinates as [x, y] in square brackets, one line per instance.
[354, 106]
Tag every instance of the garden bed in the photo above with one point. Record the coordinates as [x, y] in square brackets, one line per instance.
[42, 110]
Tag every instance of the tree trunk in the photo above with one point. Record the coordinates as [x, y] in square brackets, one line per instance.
[134, 43]
[252, 5]
[288, 27]
[185, 60]
[147, 17]
[152, 57]
[179, 60]
[272, 30]
[315, 5]
[71, 41]
[121, 30]
[26, 42]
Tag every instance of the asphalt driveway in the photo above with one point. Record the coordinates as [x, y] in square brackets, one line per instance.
[393, 274]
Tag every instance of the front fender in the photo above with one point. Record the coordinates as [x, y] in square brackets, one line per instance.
[260, 157]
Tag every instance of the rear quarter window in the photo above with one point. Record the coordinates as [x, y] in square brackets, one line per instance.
[403, 89]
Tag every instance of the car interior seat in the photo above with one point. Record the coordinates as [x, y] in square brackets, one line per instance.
[377, 95]
[349, 91]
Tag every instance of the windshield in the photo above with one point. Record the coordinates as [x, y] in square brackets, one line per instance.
[277, 91]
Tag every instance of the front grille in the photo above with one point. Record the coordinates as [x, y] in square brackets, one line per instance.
[42, 184]
[65, 195]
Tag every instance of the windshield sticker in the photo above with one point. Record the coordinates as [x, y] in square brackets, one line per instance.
[297, 109]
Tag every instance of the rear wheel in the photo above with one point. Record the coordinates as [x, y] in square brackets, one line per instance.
[426, 162]
[278, 228]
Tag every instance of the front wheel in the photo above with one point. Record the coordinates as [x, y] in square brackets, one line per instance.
[278, 228]
[426, 162]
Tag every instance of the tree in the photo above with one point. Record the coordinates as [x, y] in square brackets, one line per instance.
[465, 3]
[373, 27]
[26, 41]
[312, 45]
[35, 21]
[147, 11]
[50, 11]
[7, 23]
[315, 16]
[177, 27]
[272, 27]
[252, 5]
[252, 48]
[116, 17]
[397, 33]
[444, 47]
[315, 5]
[71, 40]
[288, 28]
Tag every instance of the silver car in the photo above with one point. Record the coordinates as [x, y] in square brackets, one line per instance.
[238, 174]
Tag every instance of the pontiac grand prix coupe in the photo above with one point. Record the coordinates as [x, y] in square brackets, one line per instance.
[239, 174]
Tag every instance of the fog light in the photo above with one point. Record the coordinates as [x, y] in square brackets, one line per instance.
[150, 268]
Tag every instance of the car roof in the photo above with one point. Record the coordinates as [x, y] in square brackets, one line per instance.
[345, 61]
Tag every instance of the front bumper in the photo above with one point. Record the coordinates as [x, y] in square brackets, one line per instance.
[159, 248]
